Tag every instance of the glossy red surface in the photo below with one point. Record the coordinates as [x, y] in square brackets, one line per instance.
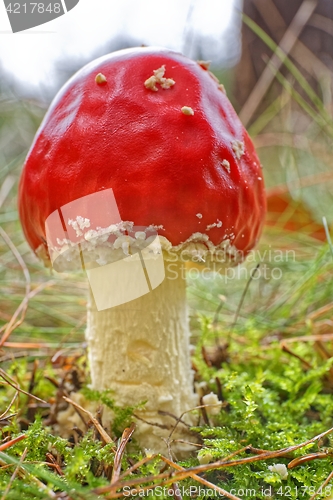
[164, 167]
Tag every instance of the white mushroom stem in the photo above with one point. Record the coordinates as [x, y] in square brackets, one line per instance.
[140, 351]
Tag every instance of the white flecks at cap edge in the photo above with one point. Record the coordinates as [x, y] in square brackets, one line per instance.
[79, 224]
[217, 224]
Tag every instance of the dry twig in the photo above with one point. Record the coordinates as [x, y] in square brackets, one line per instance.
[322, 486]
[202, 481]
[106, 438]
[7, 410]
[10, 443]
[126, 436]
[10, 382]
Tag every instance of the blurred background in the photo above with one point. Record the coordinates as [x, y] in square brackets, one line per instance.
[275, 58]
[43, 57]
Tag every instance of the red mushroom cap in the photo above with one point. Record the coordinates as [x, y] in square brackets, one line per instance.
[158, 129]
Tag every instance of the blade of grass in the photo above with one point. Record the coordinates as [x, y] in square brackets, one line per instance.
[267, 116]
[297, 289]
[328, 236]
[322, 123]
[285, 60]
[34, 474]
[280, 55]
[24, 454]
[13, 164]
[23, 306]
[6, 187]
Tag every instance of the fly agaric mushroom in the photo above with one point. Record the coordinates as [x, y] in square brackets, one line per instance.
[158, 130]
